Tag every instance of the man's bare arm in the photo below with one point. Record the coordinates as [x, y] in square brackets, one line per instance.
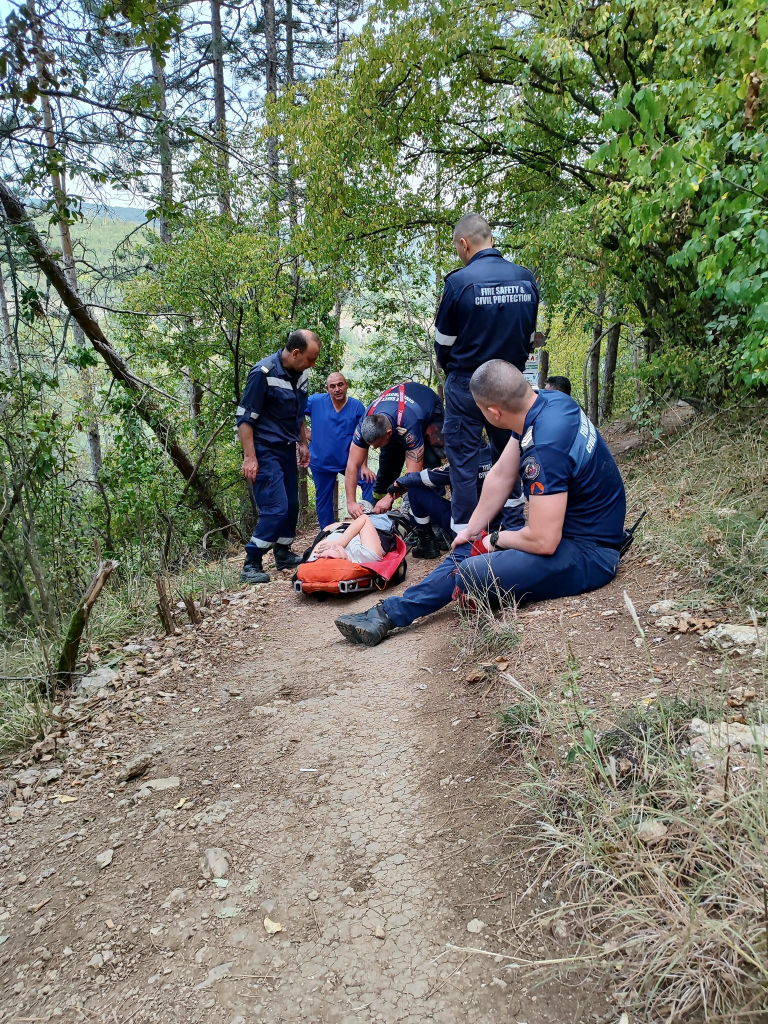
[250, 467]
[355, 460]
[544, 531]
[497, 487]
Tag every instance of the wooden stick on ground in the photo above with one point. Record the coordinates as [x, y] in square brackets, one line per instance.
[164, 609]
[71, 647]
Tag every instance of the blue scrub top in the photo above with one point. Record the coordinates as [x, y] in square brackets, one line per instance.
[332, 431]
[560, 450]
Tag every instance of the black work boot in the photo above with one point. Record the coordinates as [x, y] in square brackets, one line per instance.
[285, 558]
[253, 571]
[367, 628]
[426, 545]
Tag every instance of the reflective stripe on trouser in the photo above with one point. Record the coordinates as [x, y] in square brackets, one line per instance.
[574, 568]
[391, 462]
[276, 496]
[324, 481]
[463, 432]
[428, 507]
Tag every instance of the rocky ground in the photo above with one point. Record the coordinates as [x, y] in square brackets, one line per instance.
[253, 821]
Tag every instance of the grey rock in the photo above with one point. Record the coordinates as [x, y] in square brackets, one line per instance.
[134, 768]
[215, 863]
[99, 679]
[28, 777]
[51, 776]
[172, 782]
[104, 859]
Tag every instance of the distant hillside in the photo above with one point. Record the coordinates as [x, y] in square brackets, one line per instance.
[128, 213]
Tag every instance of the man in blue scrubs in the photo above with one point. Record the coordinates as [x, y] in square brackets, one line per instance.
[335, 417]
[576, 510]
[488, 311]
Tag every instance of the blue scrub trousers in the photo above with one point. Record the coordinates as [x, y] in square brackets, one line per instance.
[463, 433]
[276, 495]
[575, 568]
[325, 481]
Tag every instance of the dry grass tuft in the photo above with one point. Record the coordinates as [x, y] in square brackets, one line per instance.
[657, 859]
[488, 625]
[707, 492]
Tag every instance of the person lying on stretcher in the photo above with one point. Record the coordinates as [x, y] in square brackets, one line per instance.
[357, 541]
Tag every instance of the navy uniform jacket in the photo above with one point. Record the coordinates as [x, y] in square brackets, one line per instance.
[438, 479]
[488, 311]
[274, 402]
[560, 450]
[420, 405]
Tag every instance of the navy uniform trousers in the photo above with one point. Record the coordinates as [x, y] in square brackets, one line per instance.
[430, 507]
[574, 568]
[276, 493]
[463, 433]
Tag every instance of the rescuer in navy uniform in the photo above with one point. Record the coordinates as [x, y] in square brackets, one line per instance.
[270, 422]
[429, 506]
[488, 311]
[406, 424]
[576, 508]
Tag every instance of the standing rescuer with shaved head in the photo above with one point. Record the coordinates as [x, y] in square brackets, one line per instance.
[488, 311]
[270, 423]
[576, 508]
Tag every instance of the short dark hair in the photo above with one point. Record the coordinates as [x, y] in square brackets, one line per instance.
[374, 428]
[472, 227]
[300, 339]
[560, 384]
[499, 383]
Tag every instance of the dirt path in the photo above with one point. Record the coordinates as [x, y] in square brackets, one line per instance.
[309, 764]
[352, 796]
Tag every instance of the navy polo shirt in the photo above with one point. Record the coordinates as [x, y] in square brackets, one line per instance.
[421, 404]
[332, 431]
[488, 311]
[560, 450]
[274, 402]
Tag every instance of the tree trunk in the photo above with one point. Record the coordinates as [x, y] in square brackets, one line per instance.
[609, 371]
[146, 406]
[71, 646]
[594, 361]
[270, 39]
[10, 354]
[164, 147]
[543, 367]
[220, 108]
[56, 162]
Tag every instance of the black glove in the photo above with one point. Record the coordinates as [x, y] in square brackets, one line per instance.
[396, 489]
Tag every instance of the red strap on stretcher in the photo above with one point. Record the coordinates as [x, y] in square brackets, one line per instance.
[400, 402]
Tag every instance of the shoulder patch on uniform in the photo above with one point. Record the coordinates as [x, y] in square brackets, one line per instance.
[264, 369]
[402, 431]
[527, 440]
[529, 468]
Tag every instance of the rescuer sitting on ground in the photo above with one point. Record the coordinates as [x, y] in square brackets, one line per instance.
[576, 509]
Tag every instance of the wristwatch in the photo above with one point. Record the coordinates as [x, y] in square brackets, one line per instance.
[493, 539]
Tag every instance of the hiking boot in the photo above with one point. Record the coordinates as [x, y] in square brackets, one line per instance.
[253, 571]
[367, 628]
[285, 558]
[442, 541]
[427, 546]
